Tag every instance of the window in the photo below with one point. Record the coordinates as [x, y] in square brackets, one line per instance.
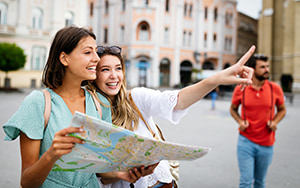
[122, 33]
[215, 37]
[191, 10]
[216, 14]
[167, 5]
[166, 35]
[190, 39]
[123, 5]
[228, 19]
[205, 13]
[185, 9]
[205, 39]
[38, 58]
[37, 18]
[164, 72]
[105, 35]
[184, 38]
[91, 9]
[69, 18]
[106, 7]
[228, 44]
[143, 73]
[215, 41]
[3, 13]
[143, 32]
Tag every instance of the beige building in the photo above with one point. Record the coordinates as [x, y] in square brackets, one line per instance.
[165, 41]
[279, 38]
[32, 24]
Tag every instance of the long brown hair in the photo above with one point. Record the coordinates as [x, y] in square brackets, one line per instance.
[121, 111]
[66, 41]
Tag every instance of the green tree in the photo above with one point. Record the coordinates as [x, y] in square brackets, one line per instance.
[12, 58]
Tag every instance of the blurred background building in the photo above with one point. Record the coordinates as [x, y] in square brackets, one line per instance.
[165, 43]
[247, 32]
[32, 24]
[279, 38]
[168, 42]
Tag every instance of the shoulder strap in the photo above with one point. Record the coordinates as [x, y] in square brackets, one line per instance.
[96, 103]
[141, 116]
[160, 133]
[47, 109]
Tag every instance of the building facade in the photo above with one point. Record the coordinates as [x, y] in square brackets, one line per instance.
[32, 24]
[279, 38]
[165, 41]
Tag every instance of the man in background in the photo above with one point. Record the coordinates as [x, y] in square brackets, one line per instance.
[257, 122]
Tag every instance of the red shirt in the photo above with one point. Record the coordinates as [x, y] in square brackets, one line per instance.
[256, 108]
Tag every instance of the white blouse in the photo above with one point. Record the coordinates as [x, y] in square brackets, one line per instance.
[153, 103]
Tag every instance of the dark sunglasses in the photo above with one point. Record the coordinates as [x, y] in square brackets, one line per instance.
[116, 49]
[261, 57]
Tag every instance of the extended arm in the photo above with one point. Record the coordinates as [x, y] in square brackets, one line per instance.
[236, 74]
[35, 170]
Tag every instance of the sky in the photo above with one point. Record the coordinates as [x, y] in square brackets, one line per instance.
[250, 7]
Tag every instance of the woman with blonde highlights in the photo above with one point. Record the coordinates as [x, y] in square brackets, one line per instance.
[171, 105]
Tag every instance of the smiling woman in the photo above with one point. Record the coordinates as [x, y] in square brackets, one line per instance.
[111, 77]
[171, 105]
[72, 59]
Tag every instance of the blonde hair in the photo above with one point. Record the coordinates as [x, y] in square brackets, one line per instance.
[122, 113]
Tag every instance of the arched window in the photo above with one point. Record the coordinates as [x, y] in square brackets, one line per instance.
[3, 13]
[186, 68]
[69, 18]
[208, 65]
[143, 32]
[37, 18]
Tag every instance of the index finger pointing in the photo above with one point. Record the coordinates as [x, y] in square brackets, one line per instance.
[247, 55]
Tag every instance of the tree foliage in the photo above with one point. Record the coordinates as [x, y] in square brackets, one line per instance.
[12, 57]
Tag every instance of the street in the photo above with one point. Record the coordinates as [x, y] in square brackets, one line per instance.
[201, 126]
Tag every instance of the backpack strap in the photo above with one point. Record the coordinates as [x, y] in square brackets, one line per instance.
[141, 116]
[47, 109]
[160, 133]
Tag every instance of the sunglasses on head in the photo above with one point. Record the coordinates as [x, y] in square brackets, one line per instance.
[261, 57]
[116, 49]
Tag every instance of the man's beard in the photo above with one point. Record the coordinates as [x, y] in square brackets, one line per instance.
[261, 77]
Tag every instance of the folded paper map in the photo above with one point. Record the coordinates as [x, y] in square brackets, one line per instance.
[111, 148]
